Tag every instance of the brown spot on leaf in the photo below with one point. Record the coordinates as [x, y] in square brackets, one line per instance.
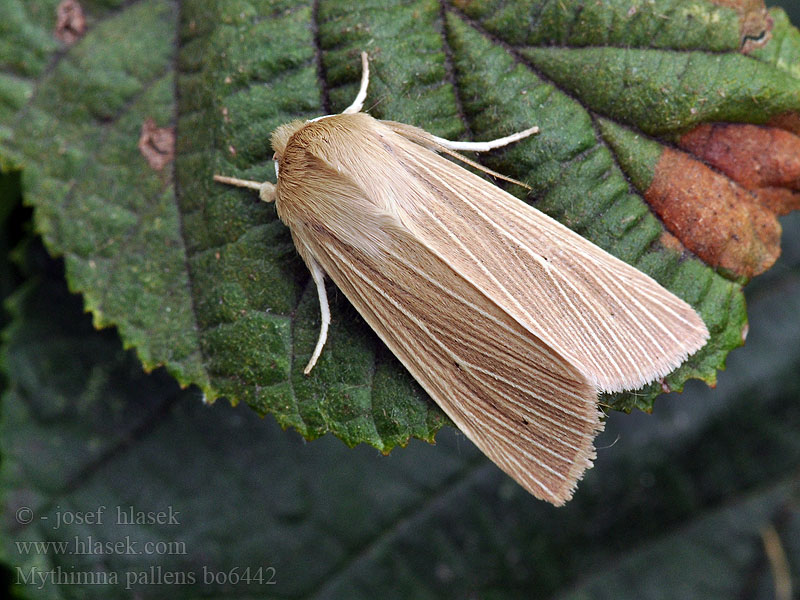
[764, 160]
[671, 242]
[755, 24]
[157, 144]
[70, 22]
[713, 216]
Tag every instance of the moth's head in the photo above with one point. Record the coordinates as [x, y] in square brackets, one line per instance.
[280, 137]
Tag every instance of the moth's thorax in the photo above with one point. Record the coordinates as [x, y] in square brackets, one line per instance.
[327, 149]
[300, 133]
[344, 175]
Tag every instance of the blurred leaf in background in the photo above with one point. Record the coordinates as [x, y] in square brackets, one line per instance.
[682, 503]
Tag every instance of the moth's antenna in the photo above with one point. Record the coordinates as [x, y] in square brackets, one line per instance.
[485, 146]
[358, 103]
[376, 103]
[266, 190]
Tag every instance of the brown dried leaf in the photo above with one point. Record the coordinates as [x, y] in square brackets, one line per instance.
[713, 216]
[722, 196]
[70, 22]
[764, 160]
[790, 121]
[157, 144]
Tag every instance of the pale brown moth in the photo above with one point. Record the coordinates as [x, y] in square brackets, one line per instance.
[509, 320]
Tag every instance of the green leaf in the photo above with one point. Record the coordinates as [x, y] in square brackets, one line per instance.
[674, 507]
[205, 281]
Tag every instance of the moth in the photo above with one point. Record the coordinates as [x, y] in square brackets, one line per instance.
[509, 320]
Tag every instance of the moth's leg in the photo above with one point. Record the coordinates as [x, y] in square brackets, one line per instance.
[318, 275]
[485, 146]
[266, 190]
[358, 103]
